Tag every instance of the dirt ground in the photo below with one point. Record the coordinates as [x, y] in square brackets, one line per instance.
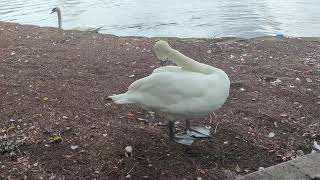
[57, 123]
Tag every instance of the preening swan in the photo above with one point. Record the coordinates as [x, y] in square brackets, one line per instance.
[79, 28]
[188, 90]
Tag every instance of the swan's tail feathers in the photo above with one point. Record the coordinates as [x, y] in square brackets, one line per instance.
[121, 99]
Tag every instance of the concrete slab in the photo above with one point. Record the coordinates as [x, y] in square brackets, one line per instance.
[302, 168]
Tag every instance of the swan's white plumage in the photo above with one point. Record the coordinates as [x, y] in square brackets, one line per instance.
[88, 28]
[193, 90]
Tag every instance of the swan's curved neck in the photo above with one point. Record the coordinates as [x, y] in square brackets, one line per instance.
[190, 64]
[59, 18]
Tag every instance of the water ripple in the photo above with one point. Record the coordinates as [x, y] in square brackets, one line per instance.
[184, 18]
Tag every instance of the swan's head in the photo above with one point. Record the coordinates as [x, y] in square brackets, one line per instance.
[162, 50]
[56, 9]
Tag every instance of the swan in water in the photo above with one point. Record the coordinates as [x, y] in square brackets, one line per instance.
[188, 90]
[78, 28]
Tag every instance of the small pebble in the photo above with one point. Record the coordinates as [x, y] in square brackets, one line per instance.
[209, 51]
[68, 128]
[283, 115]
[128, 176]
[316, 146]
[242, 89]
[128, 151]
[278, 81]
[300, 152]
[309, 80]
[271, 135]
[74, 147]
[260, 168]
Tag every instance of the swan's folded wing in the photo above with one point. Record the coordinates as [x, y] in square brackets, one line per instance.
[171, 91]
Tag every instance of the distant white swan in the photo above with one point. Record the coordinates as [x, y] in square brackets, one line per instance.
[78, 28]
[188, 90]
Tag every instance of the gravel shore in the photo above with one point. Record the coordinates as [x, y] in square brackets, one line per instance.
[56, 121]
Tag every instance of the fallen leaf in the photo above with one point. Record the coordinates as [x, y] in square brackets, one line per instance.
[55, 139]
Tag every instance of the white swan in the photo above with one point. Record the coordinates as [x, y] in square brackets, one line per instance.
[188, 90]
[78, 28]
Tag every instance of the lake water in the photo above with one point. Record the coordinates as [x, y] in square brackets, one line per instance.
[180, 18]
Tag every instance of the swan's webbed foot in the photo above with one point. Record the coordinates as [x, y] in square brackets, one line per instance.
[182, 138]
[198, 132]
[190, 135]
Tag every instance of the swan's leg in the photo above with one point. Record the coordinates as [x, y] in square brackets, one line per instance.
[183, 138]
[171, 130]
[197, 132]
[187, 124]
